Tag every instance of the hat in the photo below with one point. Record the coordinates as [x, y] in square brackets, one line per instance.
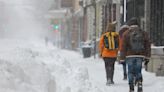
[111, 27]
[133, 21]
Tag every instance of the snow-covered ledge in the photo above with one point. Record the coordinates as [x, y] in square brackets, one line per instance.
[157, 50]
[156, 63]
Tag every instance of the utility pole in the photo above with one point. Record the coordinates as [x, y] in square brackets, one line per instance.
[95, 24]
[124, 10]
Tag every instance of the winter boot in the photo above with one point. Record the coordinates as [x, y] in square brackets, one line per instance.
[131, 91]
[112, 82]
[109, 82]
[139, 86]
[125, 77]
[131, 88]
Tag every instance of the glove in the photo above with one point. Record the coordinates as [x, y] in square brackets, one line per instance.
[146, 63]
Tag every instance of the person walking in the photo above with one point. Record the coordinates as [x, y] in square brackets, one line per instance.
[108, 48]
[135, 50]
[121, 31]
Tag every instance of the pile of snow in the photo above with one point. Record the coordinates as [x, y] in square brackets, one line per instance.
[27, 64]
[32, 67]
[21, 70]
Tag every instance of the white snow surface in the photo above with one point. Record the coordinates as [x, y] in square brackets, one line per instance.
[32, 66]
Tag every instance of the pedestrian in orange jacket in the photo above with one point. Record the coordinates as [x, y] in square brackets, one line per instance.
[109, 54]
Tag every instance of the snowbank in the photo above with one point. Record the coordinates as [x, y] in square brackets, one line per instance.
[21, 70]
[33, 67]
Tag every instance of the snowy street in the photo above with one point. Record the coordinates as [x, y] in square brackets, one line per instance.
[34, 67]
[32, 33]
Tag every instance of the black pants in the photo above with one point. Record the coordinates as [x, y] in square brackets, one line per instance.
[124, 68]
[109, 67]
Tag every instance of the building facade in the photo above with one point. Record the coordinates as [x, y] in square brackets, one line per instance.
[156, 21]
[151, 15]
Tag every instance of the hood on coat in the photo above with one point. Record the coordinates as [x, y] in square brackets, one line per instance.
[123, 29]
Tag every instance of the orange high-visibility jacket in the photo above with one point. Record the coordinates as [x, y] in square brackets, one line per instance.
[104, 51]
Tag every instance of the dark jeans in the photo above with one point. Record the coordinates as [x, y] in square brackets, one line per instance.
[124, 68]
[134, 69]
[109, 67]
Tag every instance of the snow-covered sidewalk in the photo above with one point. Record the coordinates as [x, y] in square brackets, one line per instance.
[97, 77]
[34, 67]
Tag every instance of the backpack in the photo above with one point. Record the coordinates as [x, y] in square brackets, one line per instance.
[136, 40]
[111, 42]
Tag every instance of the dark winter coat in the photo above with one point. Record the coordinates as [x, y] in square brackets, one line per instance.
[121, 32]
[127, 53]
